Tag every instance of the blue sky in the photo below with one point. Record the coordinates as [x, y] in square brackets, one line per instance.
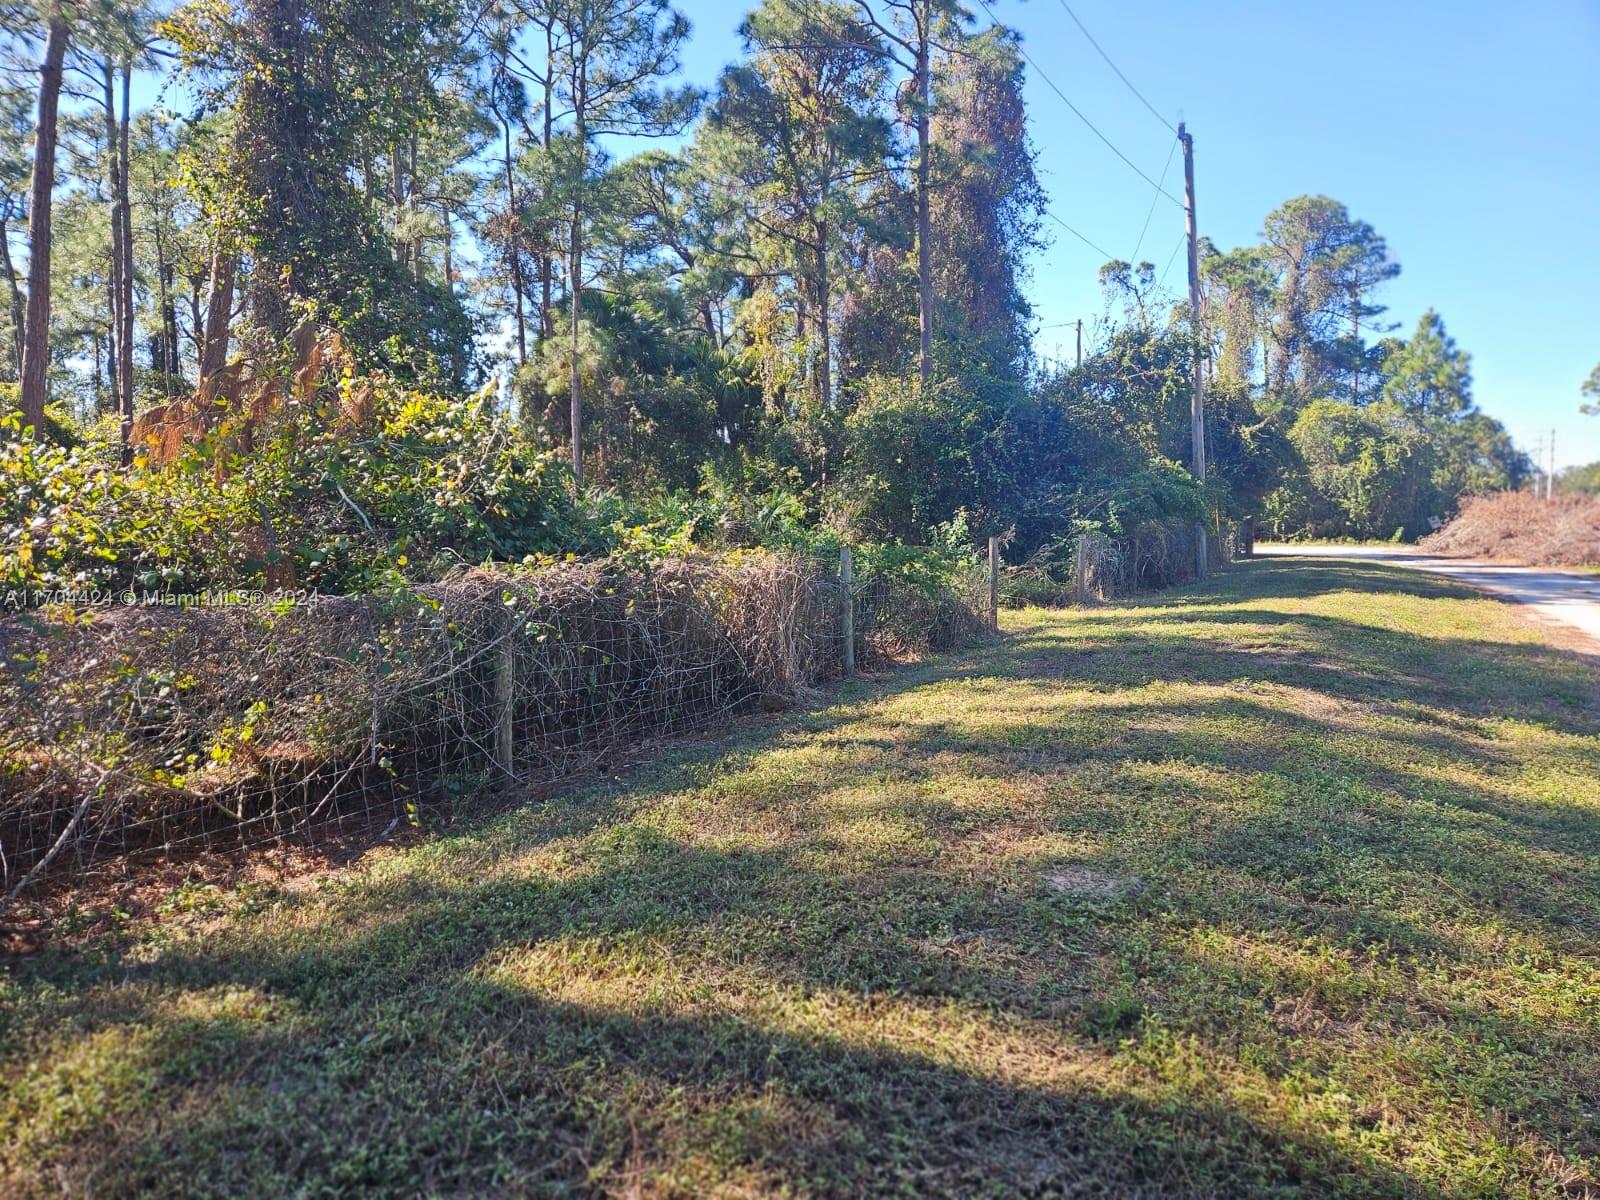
[1464, 132]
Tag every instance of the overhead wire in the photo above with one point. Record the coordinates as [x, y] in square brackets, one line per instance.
[1170, 261]
[1099, 250]
[1157, 184]
[1126, 81]
[1153, 201]
[1051, 84]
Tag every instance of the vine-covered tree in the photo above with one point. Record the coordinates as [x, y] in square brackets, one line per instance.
[323, 99]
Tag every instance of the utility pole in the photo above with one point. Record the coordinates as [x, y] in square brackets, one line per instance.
[1080, 341]
[1197, 400]
[1550, 478]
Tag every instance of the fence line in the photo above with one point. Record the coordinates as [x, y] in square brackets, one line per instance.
[1094, 567]
[139, 733]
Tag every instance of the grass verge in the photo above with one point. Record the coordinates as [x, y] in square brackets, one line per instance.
[1286, 885]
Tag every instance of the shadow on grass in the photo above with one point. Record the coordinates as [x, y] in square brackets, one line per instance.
[400, 1059]
[792, 1011]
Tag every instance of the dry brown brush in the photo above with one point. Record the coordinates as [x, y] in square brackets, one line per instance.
[126, 732]
[1523, 527]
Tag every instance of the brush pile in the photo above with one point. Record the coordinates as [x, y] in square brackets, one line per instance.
[1563, 531]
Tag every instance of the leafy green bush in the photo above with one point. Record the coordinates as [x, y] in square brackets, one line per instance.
[68, 520]
[428, 482]
[431, 482]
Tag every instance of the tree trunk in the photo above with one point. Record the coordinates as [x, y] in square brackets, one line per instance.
[112, 325]
[15, 293]
[575, 267]
[575, 275]
[36, 339]
[516, 251]
[1355, 347]
[169, 314]
[219, 311]
[397, 196]
[197, 325]
[547, 260]
[416, 242]
[924, 219]
[824, 328]
[114, 276]
[169, 319]
[449, 253]
[124, 311]
[1289, 323]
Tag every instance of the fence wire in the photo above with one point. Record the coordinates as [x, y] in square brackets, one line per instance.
[136, 733]
[1092, 567]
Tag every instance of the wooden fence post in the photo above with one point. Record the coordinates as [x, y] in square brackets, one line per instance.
[994, 583]
[847, 609]
[505, 694]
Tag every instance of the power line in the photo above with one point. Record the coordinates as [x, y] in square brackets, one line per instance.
[1050, 83]
[1109, 256]
[1153, 201]
[1115, 68]
[1170, 261]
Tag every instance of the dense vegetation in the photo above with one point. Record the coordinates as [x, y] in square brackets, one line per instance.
[806, 319]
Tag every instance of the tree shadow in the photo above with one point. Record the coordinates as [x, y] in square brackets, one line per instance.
[408, 1058]
[830, 955]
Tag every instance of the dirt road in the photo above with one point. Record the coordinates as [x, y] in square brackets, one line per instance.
[1569, 598]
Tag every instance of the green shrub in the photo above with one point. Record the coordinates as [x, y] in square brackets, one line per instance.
[427, 483]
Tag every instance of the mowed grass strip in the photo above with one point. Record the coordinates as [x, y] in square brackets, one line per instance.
[1286, 885]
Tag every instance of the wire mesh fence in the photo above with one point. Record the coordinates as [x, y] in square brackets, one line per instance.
[1093, 568]
[139, 732]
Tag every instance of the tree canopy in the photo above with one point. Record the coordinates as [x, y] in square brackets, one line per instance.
[814, 302]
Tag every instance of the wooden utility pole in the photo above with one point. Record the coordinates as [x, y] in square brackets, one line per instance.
[1550, 477]
[1197, 401]
[1080, 341]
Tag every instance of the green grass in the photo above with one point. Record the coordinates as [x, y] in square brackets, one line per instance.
[1284, 886]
